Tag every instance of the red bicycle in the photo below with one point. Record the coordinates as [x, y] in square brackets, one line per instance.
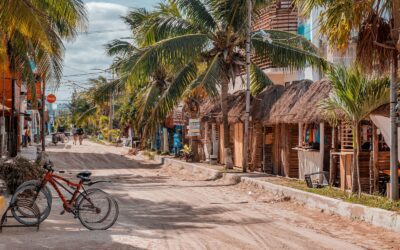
[95, 209]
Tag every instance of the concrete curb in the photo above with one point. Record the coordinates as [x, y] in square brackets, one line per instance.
[193, 168]
[375, 216]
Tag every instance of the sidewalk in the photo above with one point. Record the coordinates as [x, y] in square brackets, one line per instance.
[29, 152]
[375, 216]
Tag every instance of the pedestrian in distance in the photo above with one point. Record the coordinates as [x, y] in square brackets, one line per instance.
[75, 134]
[80, 135]
[28, 135]
[25, 137]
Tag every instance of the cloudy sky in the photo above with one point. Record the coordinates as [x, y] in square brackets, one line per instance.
[86, 54]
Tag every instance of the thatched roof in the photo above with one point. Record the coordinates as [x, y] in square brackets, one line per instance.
[263, 102]
[210, 110]
[281, 110]
[307, 108]
[383, 110]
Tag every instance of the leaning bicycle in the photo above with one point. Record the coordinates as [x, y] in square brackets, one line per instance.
[95, 209]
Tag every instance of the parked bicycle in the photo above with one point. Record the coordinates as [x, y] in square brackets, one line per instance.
[94, 208]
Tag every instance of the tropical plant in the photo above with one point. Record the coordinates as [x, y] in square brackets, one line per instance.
[88, 107]
[206, 40]
[354, 96]
[368, 22]
[32, 31]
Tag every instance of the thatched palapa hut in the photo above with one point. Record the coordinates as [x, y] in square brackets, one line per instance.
[281, 132]
[315, 134]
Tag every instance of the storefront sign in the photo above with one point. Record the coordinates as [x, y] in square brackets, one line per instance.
[194, 127]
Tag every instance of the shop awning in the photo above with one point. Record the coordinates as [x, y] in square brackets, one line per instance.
[383, 124]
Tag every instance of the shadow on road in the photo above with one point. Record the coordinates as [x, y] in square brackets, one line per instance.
[175, 215]
[79, 160]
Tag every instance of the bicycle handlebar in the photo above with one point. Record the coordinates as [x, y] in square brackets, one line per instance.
[48, 165]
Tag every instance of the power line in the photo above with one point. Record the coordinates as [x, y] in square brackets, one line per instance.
[102, 31]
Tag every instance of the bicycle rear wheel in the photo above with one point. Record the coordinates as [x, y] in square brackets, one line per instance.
[40, 198]
[98, 210]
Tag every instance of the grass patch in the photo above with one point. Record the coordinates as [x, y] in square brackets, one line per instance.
[376, 201]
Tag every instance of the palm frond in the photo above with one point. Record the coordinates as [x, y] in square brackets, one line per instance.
[210, 79]
[354, 96]
[258, 79]
[197, 12]
[173, 94]
[285, 49]
[175, 51]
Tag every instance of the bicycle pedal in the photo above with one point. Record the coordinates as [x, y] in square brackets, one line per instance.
[62, 212]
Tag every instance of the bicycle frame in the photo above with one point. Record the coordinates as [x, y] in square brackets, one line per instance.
[53, 180]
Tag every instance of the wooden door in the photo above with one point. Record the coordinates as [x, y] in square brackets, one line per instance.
[221, 144]
[238, 144]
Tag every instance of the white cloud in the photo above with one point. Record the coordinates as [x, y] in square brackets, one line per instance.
[87, 51]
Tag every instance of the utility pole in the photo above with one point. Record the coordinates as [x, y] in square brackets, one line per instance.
[247, 114]
[394, 183]
[111, 113]
[42, 124]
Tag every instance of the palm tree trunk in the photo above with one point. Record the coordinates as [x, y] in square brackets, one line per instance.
[356, 183]
[394, 186]
[224, 108]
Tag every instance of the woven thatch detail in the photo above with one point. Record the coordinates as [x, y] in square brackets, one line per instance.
[307, 108]
[263, 102]
[383, 110]
[281, 111]
[210, 110]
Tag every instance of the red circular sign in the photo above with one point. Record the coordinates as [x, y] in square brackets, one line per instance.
[51, 98]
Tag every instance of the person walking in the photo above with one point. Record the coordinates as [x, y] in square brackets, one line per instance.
[80, 135]
[75, 134]
[25, 137]
[28, 135]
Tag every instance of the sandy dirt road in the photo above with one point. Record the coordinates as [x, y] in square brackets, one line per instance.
[163, 208]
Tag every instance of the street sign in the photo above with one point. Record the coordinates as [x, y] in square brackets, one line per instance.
[194, 127]
[51, 98]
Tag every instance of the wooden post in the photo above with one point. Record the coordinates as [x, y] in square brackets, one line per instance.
[263, 150]
[165, 140]
[286, 144]
[321, 144]
[42, 127]
[375, 155]
[333, 158]
[300, 134]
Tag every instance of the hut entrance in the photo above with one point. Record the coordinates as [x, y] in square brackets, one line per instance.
[238, 144]
[268, 150]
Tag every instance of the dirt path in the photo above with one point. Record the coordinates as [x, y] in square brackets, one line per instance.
[165, 209]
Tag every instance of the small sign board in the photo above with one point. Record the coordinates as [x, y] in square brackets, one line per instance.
[194, 127]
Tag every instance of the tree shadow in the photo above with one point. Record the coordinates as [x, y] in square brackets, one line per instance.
[175, 215]
[79, 160]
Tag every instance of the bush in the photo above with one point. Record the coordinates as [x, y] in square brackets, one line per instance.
[18, 170]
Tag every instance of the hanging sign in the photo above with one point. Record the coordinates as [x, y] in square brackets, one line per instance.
[51, 98]
[194, 127]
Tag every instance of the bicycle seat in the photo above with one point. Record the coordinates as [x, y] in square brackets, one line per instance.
[84, 175]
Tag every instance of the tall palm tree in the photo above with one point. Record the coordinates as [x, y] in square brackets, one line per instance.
[210, 36]
[353, 98]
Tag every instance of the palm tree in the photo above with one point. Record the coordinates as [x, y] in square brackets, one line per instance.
[208, 37]
[353, 98]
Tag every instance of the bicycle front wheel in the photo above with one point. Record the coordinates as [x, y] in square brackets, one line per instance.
[38, 197]
[98, 210]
